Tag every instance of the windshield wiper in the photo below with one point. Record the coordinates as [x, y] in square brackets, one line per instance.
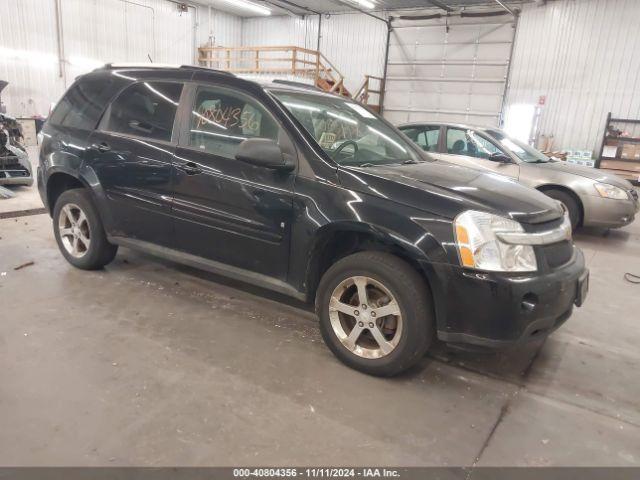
[367, 164]
[410, 162]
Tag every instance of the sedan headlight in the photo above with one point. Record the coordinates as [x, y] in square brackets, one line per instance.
[611, 191]
[480, 248]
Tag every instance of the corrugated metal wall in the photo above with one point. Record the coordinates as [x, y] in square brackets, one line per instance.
[28, 56]
[127, 31]
[583, 56]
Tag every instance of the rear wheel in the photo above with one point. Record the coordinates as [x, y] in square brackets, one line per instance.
[79, 231]
[569, 203]
[375, 313]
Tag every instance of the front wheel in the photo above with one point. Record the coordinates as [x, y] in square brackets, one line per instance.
[375, 313]
[569, 203]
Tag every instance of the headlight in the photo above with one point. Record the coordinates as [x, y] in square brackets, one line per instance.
[480, 248]
[611, 191]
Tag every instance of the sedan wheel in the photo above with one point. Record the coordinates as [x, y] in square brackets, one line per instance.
[365, 317]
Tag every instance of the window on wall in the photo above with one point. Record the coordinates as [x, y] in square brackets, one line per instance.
[144, 110]
[222, 118]
[469, 143]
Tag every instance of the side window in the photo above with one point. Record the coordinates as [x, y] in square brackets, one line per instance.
[428, 138]
[83, 104]
[222, 118]
[469, 143]
[144, 110]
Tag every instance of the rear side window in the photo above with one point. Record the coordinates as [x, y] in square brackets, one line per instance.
[83, 103]
[469, 143]
[144, 110]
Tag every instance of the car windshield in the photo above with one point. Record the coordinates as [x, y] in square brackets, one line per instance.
[520, 149]
[349, 133]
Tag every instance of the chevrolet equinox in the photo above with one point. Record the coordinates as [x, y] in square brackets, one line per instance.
[311, 195]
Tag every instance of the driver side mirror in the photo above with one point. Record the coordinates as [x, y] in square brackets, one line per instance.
[500, 158]
[264, 152]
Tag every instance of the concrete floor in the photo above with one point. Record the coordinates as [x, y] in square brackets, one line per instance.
[149, 363]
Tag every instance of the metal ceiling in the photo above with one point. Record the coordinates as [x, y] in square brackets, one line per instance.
[305, 7]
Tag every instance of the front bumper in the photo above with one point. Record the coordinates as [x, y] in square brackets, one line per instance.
[499, 310]
[607, 212]
[15, 168]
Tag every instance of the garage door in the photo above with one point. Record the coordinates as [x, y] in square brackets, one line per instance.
[448, 70]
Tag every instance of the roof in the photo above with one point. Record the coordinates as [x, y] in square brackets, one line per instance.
[448, 124]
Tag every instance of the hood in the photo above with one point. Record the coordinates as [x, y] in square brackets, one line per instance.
[448, 189]
[585, 172]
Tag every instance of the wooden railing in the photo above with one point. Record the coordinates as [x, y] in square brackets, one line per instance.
[370, 92]
[278, 60]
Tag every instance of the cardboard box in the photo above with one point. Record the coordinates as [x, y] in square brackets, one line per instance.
[628, 151]
[610, 151]
[618, 165]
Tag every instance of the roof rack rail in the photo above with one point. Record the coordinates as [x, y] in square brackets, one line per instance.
[110, 66]
[298, 84]
[207, 69]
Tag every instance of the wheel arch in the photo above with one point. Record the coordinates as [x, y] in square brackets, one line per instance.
[338, 240]
[552, 186]
[58, 182]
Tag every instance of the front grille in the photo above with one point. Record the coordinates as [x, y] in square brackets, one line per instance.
[10, 166]
[556, 254]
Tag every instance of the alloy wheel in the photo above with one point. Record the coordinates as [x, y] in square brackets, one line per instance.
[366, 317]
[74, 230]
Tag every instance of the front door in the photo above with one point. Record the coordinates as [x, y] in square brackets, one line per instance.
[131, 153]
[470, 148]
[225, 209]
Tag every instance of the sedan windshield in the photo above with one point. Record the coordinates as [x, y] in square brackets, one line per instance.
[349, 133]
[520, 149]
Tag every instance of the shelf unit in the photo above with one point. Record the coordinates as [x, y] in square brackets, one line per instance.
[628, 168]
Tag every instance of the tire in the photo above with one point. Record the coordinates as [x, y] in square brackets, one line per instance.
[79, 231]
[569, 202]
[406, 335]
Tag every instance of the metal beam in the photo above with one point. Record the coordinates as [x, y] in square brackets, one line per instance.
[507, 8]
[354, 7]
[291, 4]
[439, 4]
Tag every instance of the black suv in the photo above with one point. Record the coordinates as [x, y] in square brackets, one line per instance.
[311, 195]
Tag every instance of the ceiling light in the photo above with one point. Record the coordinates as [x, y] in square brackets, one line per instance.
[250, 6]
[365, 3]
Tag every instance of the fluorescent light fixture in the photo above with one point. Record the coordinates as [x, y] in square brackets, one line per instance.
[365, 3]
[250, 6]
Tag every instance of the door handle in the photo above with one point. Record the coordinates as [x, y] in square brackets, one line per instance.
[101, 147]
[190, 168]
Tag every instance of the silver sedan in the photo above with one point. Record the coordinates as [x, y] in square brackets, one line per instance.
[591, 196]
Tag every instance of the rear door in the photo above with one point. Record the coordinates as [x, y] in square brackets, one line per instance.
[131, 153]
[227, 210]
[470, 148]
